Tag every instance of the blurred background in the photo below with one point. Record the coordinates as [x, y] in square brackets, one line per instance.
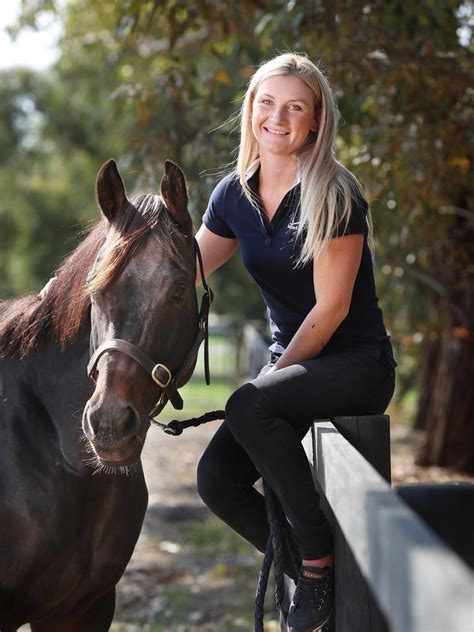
[146, 80]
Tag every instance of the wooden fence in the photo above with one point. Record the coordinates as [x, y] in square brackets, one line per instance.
[252, 350]
[393, 573]
[237, 352]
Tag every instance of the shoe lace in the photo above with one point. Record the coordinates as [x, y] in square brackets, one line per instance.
[311, 592]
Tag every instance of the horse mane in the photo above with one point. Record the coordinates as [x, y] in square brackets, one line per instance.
[64, 312]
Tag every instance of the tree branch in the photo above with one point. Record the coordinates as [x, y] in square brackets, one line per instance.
[429, 281]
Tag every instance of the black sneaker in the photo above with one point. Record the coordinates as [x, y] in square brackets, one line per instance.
[313, 602]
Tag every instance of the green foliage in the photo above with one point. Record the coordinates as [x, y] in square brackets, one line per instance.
[144, 81]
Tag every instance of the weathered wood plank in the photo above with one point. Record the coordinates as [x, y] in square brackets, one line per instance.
[419, 584]
[356, 609]
[370, 435]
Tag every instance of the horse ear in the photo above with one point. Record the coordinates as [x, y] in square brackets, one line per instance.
[175, 195]
[110, 189]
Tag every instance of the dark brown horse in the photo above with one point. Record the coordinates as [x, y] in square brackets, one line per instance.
[68, 525]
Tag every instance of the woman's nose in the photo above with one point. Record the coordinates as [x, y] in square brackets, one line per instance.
[278, 114]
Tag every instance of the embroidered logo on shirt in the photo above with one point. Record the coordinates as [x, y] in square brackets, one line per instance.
[312, 575]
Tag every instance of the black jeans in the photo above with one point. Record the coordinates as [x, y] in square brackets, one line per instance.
[261, 437]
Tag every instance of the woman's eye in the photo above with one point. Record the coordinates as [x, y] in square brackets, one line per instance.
[295, 107]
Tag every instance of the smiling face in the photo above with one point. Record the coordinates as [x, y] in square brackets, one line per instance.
[283, 115]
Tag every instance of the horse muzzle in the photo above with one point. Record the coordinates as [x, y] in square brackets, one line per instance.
[115, 430]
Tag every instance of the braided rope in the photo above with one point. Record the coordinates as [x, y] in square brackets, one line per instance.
[175, 427]
[274, 514]
[280, 536]
[262, 586]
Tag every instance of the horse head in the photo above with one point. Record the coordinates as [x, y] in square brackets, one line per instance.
[143, 310]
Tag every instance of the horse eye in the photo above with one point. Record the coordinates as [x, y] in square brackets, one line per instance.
[178, 293]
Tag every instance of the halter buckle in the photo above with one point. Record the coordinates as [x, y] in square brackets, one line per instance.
[155, 375]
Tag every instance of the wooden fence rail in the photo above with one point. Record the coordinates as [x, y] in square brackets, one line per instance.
[393, 573]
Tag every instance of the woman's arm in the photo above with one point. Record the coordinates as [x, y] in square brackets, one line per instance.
[215, 251]
[334, 277]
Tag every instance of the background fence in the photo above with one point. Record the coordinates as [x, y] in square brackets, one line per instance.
[237, 353]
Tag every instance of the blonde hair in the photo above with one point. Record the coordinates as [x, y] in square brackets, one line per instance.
[327, 187]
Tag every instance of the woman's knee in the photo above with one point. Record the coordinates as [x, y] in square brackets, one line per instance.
[209, 483]
[243, 409]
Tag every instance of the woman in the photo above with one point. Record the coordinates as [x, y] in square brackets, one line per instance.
[301, 221]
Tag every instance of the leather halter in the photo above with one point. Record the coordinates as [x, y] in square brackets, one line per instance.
[160, 373]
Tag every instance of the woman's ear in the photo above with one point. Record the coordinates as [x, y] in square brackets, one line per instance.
[315, 126]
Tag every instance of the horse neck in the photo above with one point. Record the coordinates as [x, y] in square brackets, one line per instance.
[62, 387]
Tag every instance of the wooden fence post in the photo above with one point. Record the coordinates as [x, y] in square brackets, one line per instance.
[370, 435]
[356, 608]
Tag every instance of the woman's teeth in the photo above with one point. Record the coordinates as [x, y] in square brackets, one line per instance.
[274, 131]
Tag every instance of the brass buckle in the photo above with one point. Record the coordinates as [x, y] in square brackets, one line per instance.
[155, 378]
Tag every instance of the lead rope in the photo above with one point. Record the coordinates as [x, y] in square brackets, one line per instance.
[207, 299]
[280, 532]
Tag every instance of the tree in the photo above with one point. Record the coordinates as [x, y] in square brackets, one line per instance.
[401, 74]
[57, 127]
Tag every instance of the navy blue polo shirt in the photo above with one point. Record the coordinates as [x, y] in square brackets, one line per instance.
[269, 252]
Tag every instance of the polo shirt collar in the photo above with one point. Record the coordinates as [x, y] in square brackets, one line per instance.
[251, 175]
[288, 205]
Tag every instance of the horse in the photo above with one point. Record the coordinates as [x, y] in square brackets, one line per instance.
[72, 490]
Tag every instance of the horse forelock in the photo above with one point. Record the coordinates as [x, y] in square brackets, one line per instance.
[145, 216]
[65, 310]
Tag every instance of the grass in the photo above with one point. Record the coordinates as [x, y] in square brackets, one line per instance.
[199, 398]
[212, 539]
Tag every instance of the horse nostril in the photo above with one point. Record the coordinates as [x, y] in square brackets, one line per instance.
[127, 421]
[112, 421]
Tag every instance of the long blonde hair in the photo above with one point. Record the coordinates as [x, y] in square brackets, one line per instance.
[327, 187]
